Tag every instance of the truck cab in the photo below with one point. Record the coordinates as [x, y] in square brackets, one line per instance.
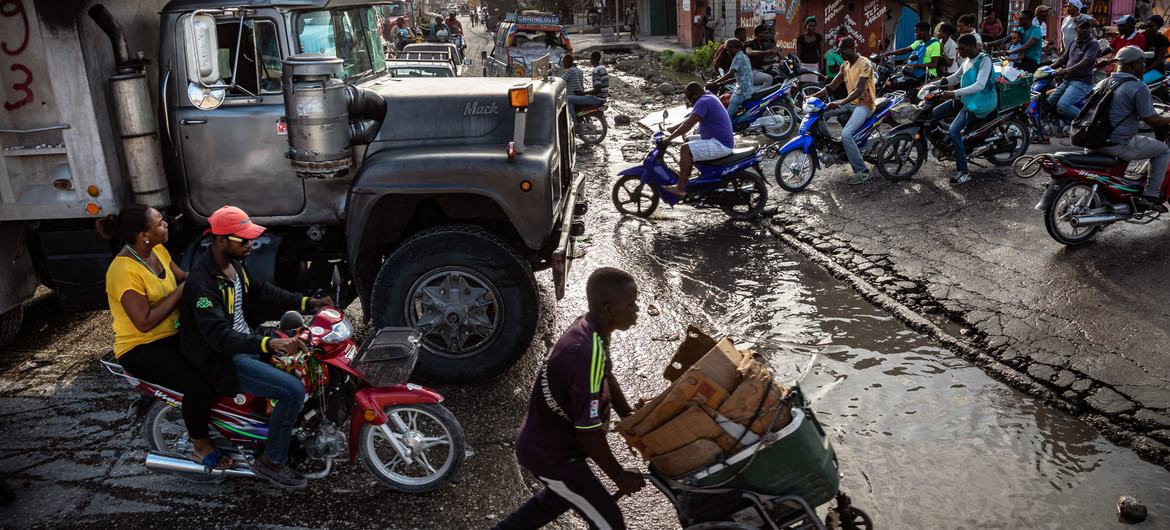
[437, 199]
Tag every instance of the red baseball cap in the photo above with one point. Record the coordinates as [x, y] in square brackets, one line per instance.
[232, 221]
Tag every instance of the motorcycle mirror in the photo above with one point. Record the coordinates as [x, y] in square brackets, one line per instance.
[291, 320]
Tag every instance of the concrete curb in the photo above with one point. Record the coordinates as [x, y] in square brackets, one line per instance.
[1117, 433]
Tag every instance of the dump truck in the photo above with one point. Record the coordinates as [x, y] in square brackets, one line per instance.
[436, 200]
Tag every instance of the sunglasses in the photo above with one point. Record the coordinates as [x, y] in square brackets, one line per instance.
[239, 240]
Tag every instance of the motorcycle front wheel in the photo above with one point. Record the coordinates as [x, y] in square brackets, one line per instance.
[433, 438]
[749, 195]
[795, 170]
[901, 156]
[1018, 134]
[1073, 198]
[592, 128]
[633, 197]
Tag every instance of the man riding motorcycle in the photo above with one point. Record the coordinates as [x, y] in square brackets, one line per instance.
[402, 34]
[975, 97]
[741, 73]
[454, 25]
[1076, 67]
[1132, 101]
[715, 139]
[858, 76]
[221, 305]
[924, 59]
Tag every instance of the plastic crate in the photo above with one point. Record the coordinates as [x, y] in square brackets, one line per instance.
[388, 357]
[1014, 93]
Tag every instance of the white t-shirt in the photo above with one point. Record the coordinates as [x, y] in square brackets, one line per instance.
[1043, 29]
[951, 50]
[978, 38]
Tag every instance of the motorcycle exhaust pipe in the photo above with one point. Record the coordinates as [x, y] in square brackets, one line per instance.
[1084, 221]
[160, 462]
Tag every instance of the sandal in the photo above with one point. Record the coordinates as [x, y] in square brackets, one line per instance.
[214, 461]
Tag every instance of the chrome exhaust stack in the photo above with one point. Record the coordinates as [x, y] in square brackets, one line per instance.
[1085, 221]
[170, 464]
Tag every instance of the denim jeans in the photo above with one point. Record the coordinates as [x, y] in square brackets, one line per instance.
[584, 101]
[1143, 148]
[956, 135]
[264, 380]
[736, 102]
[857, 116]
[1066, 97]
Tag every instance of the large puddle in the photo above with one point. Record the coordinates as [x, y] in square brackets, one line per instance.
[925, 439]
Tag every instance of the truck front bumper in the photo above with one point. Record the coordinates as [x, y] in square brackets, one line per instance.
[572, 225]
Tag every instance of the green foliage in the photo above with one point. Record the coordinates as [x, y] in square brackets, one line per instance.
[696, 61]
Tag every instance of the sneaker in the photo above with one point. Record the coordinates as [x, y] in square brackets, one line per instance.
[282, 475]
[1149, 203]
[961, 177]
[860, 177]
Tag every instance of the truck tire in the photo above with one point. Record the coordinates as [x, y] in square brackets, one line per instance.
[10, 324]
[473, 335]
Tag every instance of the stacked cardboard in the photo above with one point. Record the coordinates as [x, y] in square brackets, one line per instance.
[720, 400]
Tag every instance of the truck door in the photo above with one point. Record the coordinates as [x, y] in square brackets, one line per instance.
[235, 154]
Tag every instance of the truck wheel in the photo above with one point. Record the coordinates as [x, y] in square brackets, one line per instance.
[472, 297]
[10, 324]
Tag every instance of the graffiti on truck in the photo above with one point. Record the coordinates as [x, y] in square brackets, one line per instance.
[11, 9]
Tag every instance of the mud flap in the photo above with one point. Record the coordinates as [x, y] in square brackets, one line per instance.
[1050, 190]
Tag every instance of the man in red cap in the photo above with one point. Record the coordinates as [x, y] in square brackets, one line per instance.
[221, 306]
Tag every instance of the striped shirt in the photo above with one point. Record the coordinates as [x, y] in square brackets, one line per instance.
[575, 81]
[238, 322]
[570, 395]
[601, 81]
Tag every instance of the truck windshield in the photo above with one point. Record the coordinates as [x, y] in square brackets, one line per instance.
[350, 34]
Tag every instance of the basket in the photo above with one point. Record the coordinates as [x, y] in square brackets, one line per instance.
[1014, 93]
[388, 357]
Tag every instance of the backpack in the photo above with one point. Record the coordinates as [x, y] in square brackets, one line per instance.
[1093, 118]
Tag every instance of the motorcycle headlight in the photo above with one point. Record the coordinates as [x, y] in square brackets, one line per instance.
[341, 331]
[904, 113]
[808, 108]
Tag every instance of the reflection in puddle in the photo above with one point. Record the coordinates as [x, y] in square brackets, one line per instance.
[925, 439]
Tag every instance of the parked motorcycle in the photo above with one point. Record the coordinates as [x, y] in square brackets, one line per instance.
[591, 125]
[1001, 137]
[815, 146]
[1088, 192]
[734, 183]
[402, 433]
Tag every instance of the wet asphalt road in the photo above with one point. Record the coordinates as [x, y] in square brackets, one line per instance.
[925, 439]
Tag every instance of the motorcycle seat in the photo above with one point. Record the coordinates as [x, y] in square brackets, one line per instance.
[768, 90]
[1089, 160]
[880, 103]
[735, 156]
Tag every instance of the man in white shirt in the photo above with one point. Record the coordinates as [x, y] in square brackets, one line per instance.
[1073, 17]
[1040, 20]
[966, 25]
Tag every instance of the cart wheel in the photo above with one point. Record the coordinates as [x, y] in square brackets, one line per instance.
[850, 518]
[721, 525]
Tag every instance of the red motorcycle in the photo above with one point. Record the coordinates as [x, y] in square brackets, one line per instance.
[401, 432]
[1088, 192]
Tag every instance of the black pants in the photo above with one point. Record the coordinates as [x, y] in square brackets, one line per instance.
[905, 82]
[161, 363]
[1027, 64]
[572, 486]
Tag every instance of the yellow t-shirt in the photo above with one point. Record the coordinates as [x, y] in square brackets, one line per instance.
[854, 72]
[127, 274]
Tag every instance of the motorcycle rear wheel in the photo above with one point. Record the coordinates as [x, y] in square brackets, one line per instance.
[1020, 135]
[784, 112]
[166, 433]
[1058, 215]
[592, 128]
[901, 156]
[422, 427]
[631, 196]
[752, 189]
[795, 170]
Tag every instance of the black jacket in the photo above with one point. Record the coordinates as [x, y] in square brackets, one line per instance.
[208, 337]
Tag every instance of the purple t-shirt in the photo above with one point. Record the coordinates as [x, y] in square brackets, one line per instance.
[713, 120]
[569, 395]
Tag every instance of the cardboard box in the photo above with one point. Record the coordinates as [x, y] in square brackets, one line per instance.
[687, 459]
[757, 385]
[719, 361]
[693, 387]
[692, 424]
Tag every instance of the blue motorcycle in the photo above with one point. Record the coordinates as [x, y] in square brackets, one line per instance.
[769, 111]
[733, 184]
[814, 146]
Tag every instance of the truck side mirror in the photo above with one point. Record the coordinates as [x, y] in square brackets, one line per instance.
[202, 49]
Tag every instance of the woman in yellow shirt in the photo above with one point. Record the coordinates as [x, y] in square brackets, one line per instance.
[144, 287]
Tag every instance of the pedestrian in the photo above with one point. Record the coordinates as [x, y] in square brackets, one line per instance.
[1072, 18]
[809, 49]
[1075, 66]
[632, 21]
[1157, 43]
[945, 33]
[569, 411]
[966, 26]
[858, 78]
[704, 24]
[991, 28]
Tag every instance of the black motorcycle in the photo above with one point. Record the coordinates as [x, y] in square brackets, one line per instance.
[1001, 137]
